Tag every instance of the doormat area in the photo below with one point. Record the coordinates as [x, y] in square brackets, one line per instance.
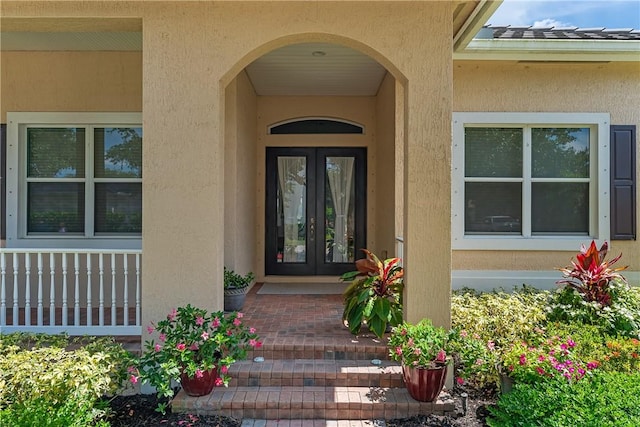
[302, 288]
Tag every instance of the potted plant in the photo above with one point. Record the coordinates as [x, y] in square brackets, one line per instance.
[195, 348]
[235, 289]
[422, 349]
[374, 296]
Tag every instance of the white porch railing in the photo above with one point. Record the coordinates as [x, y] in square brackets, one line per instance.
[80, 292]
[400, 248]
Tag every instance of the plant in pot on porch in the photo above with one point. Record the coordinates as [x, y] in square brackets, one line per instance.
[235, 289]
[194, 348]
[374, 296]
[422, 351]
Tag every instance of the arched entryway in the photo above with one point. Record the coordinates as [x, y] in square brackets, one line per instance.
[322, 165]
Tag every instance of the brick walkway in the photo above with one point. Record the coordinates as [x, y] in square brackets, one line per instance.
[314, 373]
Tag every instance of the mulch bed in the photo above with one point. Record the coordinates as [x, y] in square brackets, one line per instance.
[139, 410]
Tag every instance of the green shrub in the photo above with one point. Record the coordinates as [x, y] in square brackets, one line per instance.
[489, 323]
[622, 355]
[609, 399]
[595, 293]
[49, 379]
[620, 317]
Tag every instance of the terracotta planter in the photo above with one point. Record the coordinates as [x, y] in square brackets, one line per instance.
[424, 384]
[199, 386]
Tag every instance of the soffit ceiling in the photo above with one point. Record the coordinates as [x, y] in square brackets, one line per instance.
[305, 69]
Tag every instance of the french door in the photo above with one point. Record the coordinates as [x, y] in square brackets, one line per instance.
[315, 210]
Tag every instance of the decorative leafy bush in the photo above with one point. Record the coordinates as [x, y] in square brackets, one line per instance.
[374, 295]
[420, 345]
[609, 399]
[55, 386]
[233, 280]
[191, 341]
[474, 359]
[620, 317]
[591, 275]
[488, 323]
[596, 294]
[555, 357]
[622, 355]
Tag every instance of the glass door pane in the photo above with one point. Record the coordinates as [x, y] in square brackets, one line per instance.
[291, 200]
[339, 209]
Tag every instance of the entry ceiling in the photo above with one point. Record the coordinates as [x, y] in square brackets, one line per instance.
[316, 69]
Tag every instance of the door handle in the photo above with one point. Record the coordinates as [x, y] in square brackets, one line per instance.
[312, 228]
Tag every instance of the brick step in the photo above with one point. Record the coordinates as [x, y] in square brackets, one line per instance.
[321, 348]
[312, 423]
[326, 403]
[316, 372]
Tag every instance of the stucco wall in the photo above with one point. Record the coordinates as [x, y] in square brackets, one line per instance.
[193, 50]
[385, 169]
[70, 81]
[546, 87]
[240, 176]
[246, 231]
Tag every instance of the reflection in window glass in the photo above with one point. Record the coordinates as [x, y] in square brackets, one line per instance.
[560, 152]
[118, 152]
[493, 152]
[292, 209]
[55, 207]
[55, 152]
[339, 210]
[560, 208]
[118, 208]
[493, 208]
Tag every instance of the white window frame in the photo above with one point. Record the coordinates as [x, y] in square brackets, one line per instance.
[17, 124]
[599, 198]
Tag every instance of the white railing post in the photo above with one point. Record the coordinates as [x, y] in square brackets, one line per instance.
[138, 320]
[114, 299]
[76, 297]
[16, 307]
[52, 289]
[3, 290]
[125, 267]
[27, 289]
[89, 308]
[101, 296]
[40, 313]
[65, 304]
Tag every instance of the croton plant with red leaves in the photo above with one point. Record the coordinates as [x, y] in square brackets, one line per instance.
[591, 275]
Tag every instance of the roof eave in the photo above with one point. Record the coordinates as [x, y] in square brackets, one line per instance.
[551, 50]
[474, 22]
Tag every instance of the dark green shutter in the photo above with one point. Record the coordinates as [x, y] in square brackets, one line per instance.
[623, 182]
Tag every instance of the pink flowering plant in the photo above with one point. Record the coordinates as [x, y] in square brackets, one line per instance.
[555, 357]
[192, 341]
[420, 345]
[474, 358]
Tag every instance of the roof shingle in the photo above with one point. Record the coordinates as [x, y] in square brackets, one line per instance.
[566, 33]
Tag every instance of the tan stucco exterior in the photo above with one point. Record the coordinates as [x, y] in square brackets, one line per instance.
[198, 113]
[546, 87]
[205, 128]
[70, 81]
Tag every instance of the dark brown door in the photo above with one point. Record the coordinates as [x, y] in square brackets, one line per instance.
[315, 210]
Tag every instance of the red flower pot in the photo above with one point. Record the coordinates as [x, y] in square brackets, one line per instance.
[202, 386]
[424, 384]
